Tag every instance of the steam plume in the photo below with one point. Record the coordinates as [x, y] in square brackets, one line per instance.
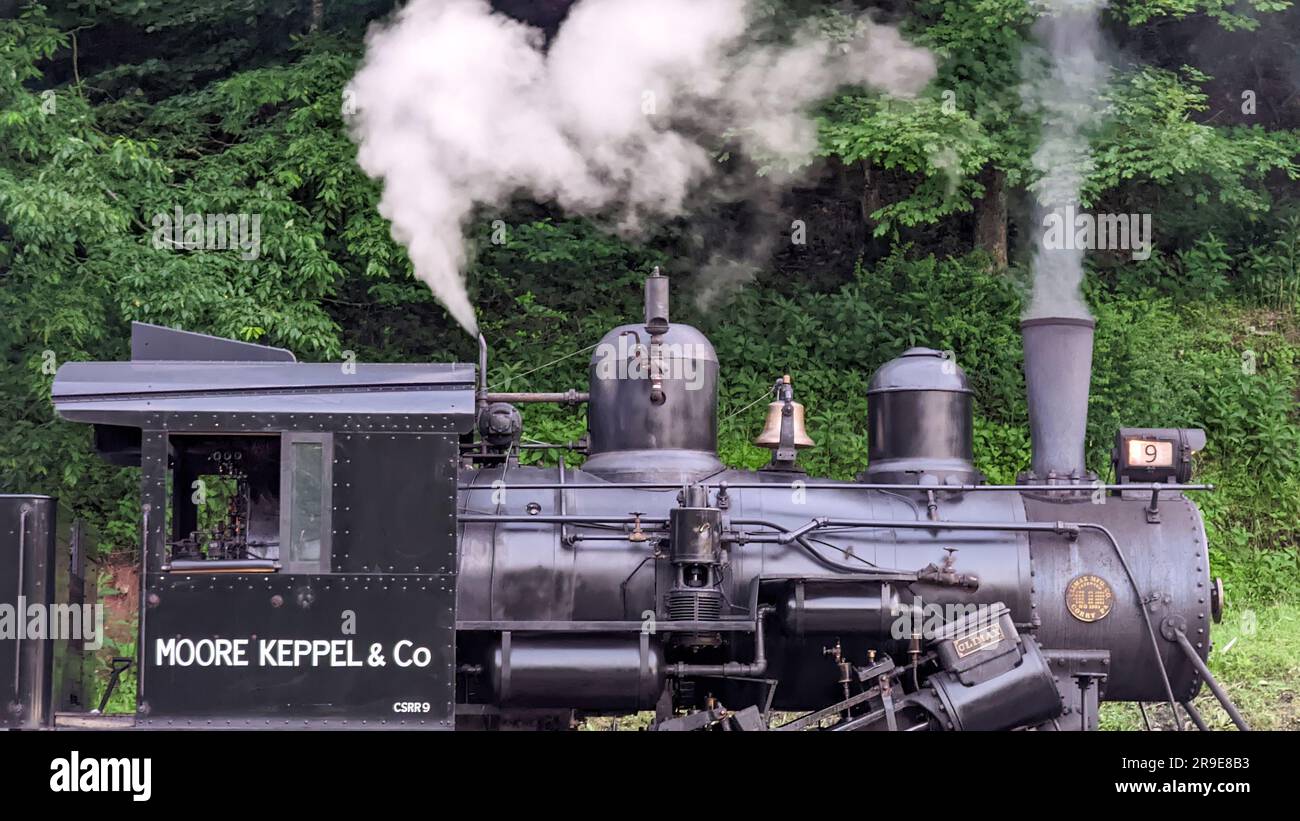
[1065, 92]
[458, 107]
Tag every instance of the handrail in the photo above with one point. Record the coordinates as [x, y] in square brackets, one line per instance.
[830, 484]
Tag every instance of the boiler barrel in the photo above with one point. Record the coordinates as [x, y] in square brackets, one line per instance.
[1085, 600]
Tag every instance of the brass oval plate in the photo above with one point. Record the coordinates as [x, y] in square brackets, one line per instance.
[1089, 597]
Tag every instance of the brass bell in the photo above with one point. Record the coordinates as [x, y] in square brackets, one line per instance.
[770, 437]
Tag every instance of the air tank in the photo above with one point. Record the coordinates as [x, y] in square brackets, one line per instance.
[583, 671]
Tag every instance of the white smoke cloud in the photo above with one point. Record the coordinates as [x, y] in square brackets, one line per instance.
[1065, 91]
[457, 106]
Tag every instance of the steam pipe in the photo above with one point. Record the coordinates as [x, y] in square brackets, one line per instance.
[731, 669]
[481, 394]
[483, 398]
[492, 518]
[22, 550]
[656, 325]
[1066, 528]
[569, 397]
[1145, 487]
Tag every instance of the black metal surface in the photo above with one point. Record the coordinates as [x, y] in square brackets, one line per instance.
[588, 672]
[1019, 693]
[1171, 565]
[313, 608]
[695, 534]
[919, 421]
[605, 626]
[656, 302]
[1183, 443]
[74, 681]
[27, 525]
[206, 396]
[632, 437]
[155, 342]
[105, 381]
[920, 436]
[835, 607]
[394, 503]
[518, 568]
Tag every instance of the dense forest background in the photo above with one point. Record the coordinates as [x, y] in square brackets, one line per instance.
[915, 217]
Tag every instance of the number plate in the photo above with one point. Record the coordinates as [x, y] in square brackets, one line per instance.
[974, 642]
[1150, 453]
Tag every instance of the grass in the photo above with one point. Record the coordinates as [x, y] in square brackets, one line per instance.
[1256, 658]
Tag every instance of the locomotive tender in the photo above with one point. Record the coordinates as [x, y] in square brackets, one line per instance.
[357, 546]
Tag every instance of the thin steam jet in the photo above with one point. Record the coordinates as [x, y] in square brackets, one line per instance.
[456, 107]
[1062, 82]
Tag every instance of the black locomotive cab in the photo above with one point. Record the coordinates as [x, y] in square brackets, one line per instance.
[298, 530]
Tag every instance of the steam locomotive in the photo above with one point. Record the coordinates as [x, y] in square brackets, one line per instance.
[358, 546]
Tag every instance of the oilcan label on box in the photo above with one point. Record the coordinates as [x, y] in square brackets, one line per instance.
[974, 642]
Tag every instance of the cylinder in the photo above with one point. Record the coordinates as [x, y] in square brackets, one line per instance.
[1058, 368]
[695, 534]
[1023, 695]
[919, 421]
[867, 608]
[576, 671]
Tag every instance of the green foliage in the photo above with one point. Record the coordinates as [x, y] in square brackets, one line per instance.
[122, 699]
[1156, 150]
[1256, 658]
[1151, 139]
[1270, 271]
[222, 107]
[1229, 14]
[981, 45]
[944, 149]
[832, 342]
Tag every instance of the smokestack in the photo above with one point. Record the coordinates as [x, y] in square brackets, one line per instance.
[1058, 368]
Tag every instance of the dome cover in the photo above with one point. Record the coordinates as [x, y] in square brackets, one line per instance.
[920, 369]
